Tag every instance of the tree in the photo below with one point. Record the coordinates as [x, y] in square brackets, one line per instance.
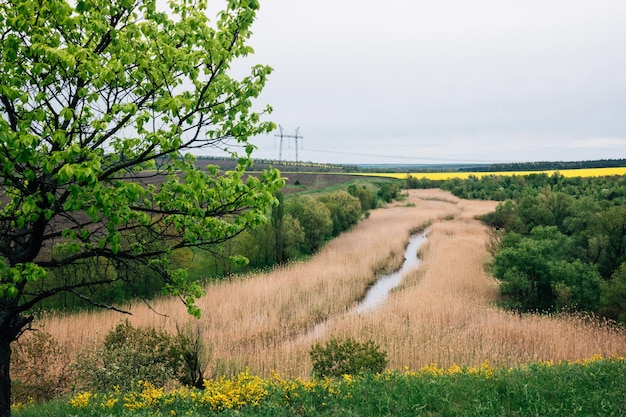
[101, 104]
[613, 296]
[523, 266]
[292, 237]
[539, 272]
[365, 196]
[388, 192]
[504, 217]
[608, 232]
[345, 210]
[577, 285]
[314, 218]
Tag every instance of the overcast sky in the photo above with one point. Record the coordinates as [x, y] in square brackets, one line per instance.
[415, 81]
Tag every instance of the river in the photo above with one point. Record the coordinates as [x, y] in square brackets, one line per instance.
[383, 286]
[380, 290]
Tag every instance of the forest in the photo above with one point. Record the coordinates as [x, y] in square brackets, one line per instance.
[550, 165]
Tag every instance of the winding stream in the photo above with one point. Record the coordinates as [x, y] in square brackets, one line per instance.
[383, 286]
[379, 291]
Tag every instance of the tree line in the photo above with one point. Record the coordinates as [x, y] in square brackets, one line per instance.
[559, 244]
[550, 165]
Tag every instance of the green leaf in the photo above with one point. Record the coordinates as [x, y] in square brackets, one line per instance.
[67, 113]
[65, 173]
[104, 90]
[11, 291]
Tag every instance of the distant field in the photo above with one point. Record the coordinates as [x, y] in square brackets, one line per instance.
[590, 172]
[298, 182]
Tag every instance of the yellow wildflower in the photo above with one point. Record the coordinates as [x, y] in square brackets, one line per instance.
[431, 370]
[244, 389]
[454, 369]
[484, 370]
[109, 401]
[148, 397]
[81, 400]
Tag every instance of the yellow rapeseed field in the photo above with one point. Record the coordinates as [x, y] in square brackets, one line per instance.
[590, 172]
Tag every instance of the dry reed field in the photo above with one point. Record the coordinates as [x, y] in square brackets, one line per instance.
[443, 312]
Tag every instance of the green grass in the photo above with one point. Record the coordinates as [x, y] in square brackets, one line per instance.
[589, 388]
[321, 188]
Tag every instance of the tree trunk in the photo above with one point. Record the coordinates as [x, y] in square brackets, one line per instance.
[11, 326]
[5, 377]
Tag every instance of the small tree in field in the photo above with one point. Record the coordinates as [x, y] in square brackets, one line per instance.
[101, 104]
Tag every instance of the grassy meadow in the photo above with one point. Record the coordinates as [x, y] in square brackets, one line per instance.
[592, 387]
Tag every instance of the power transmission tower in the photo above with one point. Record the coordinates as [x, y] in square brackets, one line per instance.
[282, 135]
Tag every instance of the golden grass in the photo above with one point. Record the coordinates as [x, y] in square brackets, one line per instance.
[587, 172]
[443, 312]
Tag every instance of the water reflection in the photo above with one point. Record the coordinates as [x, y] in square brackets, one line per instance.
[383, 286]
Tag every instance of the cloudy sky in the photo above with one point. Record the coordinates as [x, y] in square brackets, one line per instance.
[416, 81]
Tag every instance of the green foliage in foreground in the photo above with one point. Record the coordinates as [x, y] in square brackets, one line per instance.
[594, 387]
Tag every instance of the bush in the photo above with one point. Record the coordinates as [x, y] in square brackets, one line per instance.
[195, 356]
[130, 355]
[40, 368]
[347, 357]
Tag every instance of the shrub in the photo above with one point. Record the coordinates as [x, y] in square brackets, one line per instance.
[129, 355]
[195, 356]
[347, 357]
[40, 368]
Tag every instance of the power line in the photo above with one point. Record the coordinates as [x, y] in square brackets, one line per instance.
[282, 135]
[404, 156]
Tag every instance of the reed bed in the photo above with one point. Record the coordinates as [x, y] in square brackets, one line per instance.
[442, 313]
[445, 312]
[247, 319]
